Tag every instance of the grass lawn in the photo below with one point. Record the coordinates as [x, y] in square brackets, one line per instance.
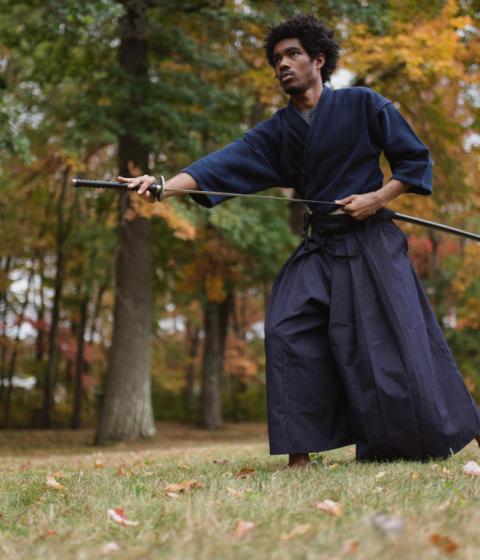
[201, 496]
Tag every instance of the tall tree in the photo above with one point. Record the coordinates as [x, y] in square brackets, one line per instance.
[127, 406]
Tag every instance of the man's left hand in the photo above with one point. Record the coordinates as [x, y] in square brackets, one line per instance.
[361, 206]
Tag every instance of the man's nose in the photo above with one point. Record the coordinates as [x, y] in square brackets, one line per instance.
[283, 63]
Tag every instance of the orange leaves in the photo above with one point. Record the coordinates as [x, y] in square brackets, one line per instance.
[174, 490]
[245, 472]
[297, 531]
[54, 484]
[444, 543]
[331, 507]
[242, 528]
[117, 515]
[182, 228]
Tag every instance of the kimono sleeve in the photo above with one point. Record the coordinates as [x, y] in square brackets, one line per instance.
[408, 157]
[246, 166]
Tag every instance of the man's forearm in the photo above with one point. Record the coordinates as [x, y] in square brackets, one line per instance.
[178, 183]
[391, 190]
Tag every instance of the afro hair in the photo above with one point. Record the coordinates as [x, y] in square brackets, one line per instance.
[314, 36]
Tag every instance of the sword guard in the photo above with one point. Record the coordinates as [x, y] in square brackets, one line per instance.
[159, 185]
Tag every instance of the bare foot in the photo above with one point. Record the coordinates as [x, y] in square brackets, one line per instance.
[300, 460]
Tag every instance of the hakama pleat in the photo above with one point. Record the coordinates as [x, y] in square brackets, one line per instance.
[355, 354]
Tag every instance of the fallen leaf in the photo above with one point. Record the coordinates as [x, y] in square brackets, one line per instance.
[236, 493]
[378, 490]
[99, 464]
[333, 466]
[245, 472]
[447, 473]
[121, 471]
[57, 474]
[471, 469]
[242, 528]
[220, 461]
[118, 516]
[350, 548]
[331, 507]
[297, 531]
[109, 548]
[387, 524]
[182, 466]
[443, 542]
[172, 495]
[52, 483]
[380, 475]
[183, 487]
[415, 475]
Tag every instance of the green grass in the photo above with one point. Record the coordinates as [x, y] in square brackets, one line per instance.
[39, 522]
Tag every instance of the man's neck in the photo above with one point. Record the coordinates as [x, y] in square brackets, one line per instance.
[308, 99]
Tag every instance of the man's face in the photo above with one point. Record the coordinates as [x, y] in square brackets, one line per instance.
[294, 68]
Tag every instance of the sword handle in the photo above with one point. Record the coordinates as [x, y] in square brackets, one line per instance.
[157, 189]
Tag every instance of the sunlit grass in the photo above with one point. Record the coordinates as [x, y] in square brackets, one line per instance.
[39, 522]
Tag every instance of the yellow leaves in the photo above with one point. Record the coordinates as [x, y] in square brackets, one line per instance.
[215, 287]
[182, 228]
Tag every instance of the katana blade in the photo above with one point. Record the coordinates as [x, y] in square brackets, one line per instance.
[157, 189]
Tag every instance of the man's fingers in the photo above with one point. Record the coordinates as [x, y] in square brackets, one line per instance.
[346, 200]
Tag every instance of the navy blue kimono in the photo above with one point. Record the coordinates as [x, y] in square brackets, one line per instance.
[354, 353]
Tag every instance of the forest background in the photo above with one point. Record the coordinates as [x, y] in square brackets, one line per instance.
[114, 313]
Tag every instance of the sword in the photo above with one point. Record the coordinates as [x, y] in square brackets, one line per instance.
[158, 190]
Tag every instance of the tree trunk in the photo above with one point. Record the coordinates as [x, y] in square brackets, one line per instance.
[76, 420]
[193, 339]
[216, 325]
[52, 367]
[14, 354]
[127, 411]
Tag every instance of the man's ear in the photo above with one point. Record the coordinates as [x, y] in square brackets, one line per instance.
[320, 61]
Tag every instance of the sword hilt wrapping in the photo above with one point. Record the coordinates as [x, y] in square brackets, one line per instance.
[157, 189]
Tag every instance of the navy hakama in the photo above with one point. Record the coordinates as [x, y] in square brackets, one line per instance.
[354, 353]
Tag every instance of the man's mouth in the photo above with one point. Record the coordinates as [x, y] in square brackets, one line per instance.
[284, 76]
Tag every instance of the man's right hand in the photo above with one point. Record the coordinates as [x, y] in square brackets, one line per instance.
[142, 182]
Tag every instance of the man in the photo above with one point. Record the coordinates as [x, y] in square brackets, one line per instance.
[354, 353]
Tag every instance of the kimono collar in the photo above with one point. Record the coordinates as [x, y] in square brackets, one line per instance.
[326, 93]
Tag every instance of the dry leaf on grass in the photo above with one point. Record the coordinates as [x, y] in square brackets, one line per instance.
[297, 531]
[109, 548]
[99, 464]
[447, 473]
[245, 472]
[415, 475]
[350, 548]
[236, 493]
[330, 506]
[471, 469]
[443, 542]
[172, 490]
[121, 471]
[220, 461]
[117, 515]
[52, 483]
[386, 524]
[380, 475]
[242, 528]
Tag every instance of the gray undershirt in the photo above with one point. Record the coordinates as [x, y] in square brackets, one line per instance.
[307, 115]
